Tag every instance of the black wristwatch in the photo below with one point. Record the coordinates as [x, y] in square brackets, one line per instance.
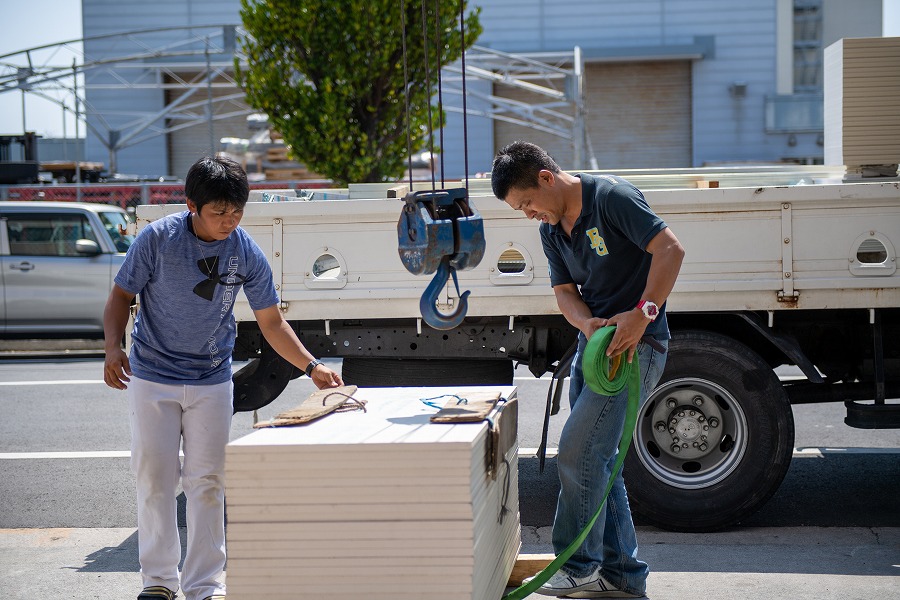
[311, 366]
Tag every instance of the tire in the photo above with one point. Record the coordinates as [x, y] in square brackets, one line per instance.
[261, 381]
[736, 437]
[396, 372]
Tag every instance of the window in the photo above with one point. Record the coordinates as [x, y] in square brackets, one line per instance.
[47, 235]
[807, 46]
[115, 223]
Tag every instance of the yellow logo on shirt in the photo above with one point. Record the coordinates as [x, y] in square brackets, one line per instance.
[597, 242]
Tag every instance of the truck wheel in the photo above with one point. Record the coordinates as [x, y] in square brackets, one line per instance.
[714, 439]
[261, 381]
[396, 372]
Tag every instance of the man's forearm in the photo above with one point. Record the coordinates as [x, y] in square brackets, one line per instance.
[284, 341]
[573, 307]
[115, 320]
[664, 269]
[665, 265]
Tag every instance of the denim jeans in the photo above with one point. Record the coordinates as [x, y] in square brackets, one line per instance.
[587, 451]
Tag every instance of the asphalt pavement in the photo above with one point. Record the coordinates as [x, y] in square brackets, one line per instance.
[771, 563]
[831, 531]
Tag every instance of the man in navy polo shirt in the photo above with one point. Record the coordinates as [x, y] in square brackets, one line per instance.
[613, 261]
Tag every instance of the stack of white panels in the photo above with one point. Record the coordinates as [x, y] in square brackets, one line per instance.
[381, 504]
[862, 118]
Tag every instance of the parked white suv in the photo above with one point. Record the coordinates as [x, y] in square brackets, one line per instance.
[57, 265]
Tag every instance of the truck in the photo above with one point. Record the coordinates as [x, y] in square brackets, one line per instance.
[30, 170]
[784, 265]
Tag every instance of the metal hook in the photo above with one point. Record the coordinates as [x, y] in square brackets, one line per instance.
[430, 313]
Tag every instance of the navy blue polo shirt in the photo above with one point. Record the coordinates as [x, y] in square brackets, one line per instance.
[605, 254]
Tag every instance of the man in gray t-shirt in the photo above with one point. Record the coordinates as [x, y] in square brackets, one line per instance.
[188, 269]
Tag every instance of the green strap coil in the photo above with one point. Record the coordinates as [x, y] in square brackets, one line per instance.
[596, 367]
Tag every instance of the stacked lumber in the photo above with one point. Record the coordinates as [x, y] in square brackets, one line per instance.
[862, 121]
[278, 166]
[381, 504]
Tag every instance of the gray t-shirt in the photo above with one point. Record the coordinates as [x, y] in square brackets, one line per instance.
[184, 331]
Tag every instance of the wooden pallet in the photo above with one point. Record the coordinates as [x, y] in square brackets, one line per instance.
[277, 153]
[290, 173]
[528, 565]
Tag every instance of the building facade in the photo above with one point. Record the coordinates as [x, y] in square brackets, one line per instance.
[667, 83]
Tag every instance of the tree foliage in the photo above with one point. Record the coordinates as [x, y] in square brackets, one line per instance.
[330, 76]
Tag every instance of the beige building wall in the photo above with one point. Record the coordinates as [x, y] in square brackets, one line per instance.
[638, 115]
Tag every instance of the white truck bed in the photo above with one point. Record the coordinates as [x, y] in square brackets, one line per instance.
[747, 248]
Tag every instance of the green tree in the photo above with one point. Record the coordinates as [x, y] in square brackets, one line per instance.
[330, 76]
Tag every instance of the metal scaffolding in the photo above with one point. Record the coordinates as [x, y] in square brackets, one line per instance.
[196, 60]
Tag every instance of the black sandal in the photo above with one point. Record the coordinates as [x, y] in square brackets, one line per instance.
[156, 592]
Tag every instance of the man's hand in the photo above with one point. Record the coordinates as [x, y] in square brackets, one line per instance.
[324, 378]
[630, 328]
[116, 369]
[590, 326]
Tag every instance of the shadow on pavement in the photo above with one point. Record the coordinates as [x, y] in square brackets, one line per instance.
[828, 490]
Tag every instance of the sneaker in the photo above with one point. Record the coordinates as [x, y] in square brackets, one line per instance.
[568, 586]
[156, 592]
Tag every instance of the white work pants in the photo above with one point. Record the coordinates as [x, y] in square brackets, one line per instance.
[162, 416]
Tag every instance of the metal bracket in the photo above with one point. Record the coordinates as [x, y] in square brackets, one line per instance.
[787, 293]
[783, 296]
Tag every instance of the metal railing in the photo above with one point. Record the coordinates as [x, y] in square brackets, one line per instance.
[132, 194]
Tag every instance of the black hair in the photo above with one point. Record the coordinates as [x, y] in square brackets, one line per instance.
[214, 179]
[517, 166]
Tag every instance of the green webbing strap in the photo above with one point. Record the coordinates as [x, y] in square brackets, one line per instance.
[596, 367]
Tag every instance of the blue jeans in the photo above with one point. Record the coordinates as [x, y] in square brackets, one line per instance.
[587, 451]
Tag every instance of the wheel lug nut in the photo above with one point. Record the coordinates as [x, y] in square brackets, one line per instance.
[684, 445]
[660, 426]
[676, 448]
[701, 418]
[681, 414]
[703, 447]
[671, 430]
[692, 413]
[706, 428]
[713, 422]
[698, 400]
[671, 403]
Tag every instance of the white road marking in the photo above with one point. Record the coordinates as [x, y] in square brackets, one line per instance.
[523, 453]
[43, 455]
[525, 378]
[814, 452]
[60, 382]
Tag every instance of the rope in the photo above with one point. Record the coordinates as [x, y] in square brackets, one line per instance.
[406, 90]
[357, 404]
[596, 366]
[438, 45]
[462, 33]
[428, 87]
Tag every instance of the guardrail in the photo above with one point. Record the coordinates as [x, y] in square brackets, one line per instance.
[131, 194]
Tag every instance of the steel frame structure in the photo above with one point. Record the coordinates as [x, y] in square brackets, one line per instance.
[201, 59]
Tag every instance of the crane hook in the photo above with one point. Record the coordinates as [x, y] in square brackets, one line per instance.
[430, 313]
